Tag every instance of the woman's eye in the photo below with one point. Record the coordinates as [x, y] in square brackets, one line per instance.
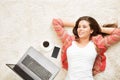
[84, 26]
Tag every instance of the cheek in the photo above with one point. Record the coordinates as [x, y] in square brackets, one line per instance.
[78, 30]
[88, 32]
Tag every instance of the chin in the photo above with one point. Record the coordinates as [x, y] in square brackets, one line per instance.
[81, 36]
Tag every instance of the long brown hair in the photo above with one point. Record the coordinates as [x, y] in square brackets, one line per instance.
[93, 26]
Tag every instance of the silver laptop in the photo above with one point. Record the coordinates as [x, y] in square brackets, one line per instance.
[34, 66]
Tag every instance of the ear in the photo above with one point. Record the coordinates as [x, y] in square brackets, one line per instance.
[91, 31]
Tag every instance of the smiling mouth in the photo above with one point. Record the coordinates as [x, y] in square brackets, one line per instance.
[81, 33]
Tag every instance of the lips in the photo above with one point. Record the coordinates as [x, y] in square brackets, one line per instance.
[80, 33]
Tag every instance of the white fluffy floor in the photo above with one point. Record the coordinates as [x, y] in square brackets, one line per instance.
[25, 23]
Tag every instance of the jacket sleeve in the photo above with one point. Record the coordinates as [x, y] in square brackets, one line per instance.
[111, 39]
[58, 27]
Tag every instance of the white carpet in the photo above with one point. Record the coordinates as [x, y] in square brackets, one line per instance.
[25, 23]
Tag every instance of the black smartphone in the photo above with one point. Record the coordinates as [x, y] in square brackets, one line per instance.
[55, 52]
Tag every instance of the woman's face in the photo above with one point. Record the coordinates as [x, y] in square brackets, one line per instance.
[83, 29]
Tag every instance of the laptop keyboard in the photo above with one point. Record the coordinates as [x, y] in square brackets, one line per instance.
[36, 68]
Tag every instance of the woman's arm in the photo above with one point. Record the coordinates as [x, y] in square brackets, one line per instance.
[58, 26]
[68, 24]
[112, 38]
[107, 30]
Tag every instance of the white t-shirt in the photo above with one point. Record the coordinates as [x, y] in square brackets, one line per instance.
[80, 61]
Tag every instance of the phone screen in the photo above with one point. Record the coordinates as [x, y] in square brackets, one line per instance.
[55, 52]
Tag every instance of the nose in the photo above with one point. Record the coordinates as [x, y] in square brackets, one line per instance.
[81, 28]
